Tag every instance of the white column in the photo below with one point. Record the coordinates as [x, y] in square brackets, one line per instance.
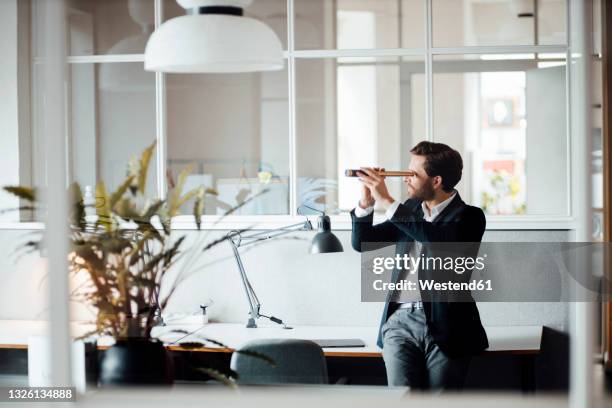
[581, 313]
[56, 235]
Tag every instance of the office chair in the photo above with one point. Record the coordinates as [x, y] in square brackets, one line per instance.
[296, 362]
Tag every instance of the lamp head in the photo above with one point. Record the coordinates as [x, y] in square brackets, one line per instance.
[325, 241]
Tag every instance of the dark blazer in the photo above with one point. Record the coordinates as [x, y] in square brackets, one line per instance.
[455, 326]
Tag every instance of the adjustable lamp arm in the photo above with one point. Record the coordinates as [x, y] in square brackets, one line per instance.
[237, 240]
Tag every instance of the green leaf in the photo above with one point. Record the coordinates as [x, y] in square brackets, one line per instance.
[153, 263]
[115, 244]
[215, 342]
[171, 253]
[153, 209]
[25, 193]
[94, 264]
[116, 196]
[246, 352]
[144, 282]
[186, 197]
[182, 178]
[198, 207]
[145, 159]
[166, 223]
[126, 209]
[174, 200]
[245, 202]
[21, 208]
[150, 231]
[197, 344]
[217, 375]
[88, 334]
[190, 345]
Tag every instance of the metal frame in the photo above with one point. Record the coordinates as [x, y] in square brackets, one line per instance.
[606, 26]
[429, 131]
[292, 110]
[160, 113]
[558, 221]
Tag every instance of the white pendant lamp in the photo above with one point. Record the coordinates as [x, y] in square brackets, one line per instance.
[213, 37]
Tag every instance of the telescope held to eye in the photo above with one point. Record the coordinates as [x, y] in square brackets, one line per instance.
[386, 173]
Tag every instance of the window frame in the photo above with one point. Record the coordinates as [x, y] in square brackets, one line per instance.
[291, 55]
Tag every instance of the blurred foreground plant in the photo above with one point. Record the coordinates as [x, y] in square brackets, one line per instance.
[121, 241]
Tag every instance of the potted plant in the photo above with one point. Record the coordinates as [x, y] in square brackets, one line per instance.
[121, 242]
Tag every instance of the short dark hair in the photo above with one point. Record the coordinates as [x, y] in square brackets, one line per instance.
[441, 160]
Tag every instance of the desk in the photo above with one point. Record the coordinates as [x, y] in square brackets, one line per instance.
[502, 339]
[519, 340]
[523, 341]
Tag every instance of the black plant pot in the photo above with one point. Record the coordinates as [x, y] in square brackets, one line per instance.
[136, 361]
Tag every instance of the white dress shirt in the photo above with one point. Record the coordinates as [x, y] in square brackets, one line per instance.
[427, 215]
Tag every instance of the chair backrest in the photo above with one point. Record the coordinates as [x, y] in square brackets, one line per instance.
[295, 362]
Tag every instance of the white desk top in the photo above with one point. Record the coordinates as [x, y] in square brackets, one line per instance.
[502, 339]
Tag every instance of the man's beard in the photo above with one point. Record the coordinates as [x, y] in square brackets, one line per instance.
[425, 193]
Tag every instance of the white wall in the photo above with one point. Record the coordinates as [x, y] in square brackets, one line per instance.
[300, 288]
[546, 136]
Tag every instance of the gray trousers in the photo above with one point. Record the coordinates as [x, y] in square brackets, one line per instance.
[413, 359]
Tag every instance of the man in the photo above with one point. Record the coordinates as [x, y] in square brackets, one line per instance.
[427, 343]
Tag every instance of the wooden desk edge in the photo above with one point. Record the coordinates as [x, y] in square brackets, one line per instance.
[14, 346]
[330, 353]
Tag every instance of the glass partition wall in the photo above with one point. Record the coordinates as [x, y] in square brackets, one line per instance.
[363, 82]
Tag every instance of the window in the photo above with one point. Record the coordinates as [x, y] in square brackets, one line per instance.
[502, 22]
[359, 24]
[364, 80]
[353, 112]
[233, 129]
[109, 27]
[112, 112]
[506, 115]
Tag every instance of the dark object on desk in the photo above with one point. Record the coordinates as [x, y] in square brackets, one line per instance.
[330, 343]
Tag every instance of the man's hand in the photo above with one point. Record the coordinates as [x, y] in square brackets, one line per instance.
[366, 197]
[376, 186]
